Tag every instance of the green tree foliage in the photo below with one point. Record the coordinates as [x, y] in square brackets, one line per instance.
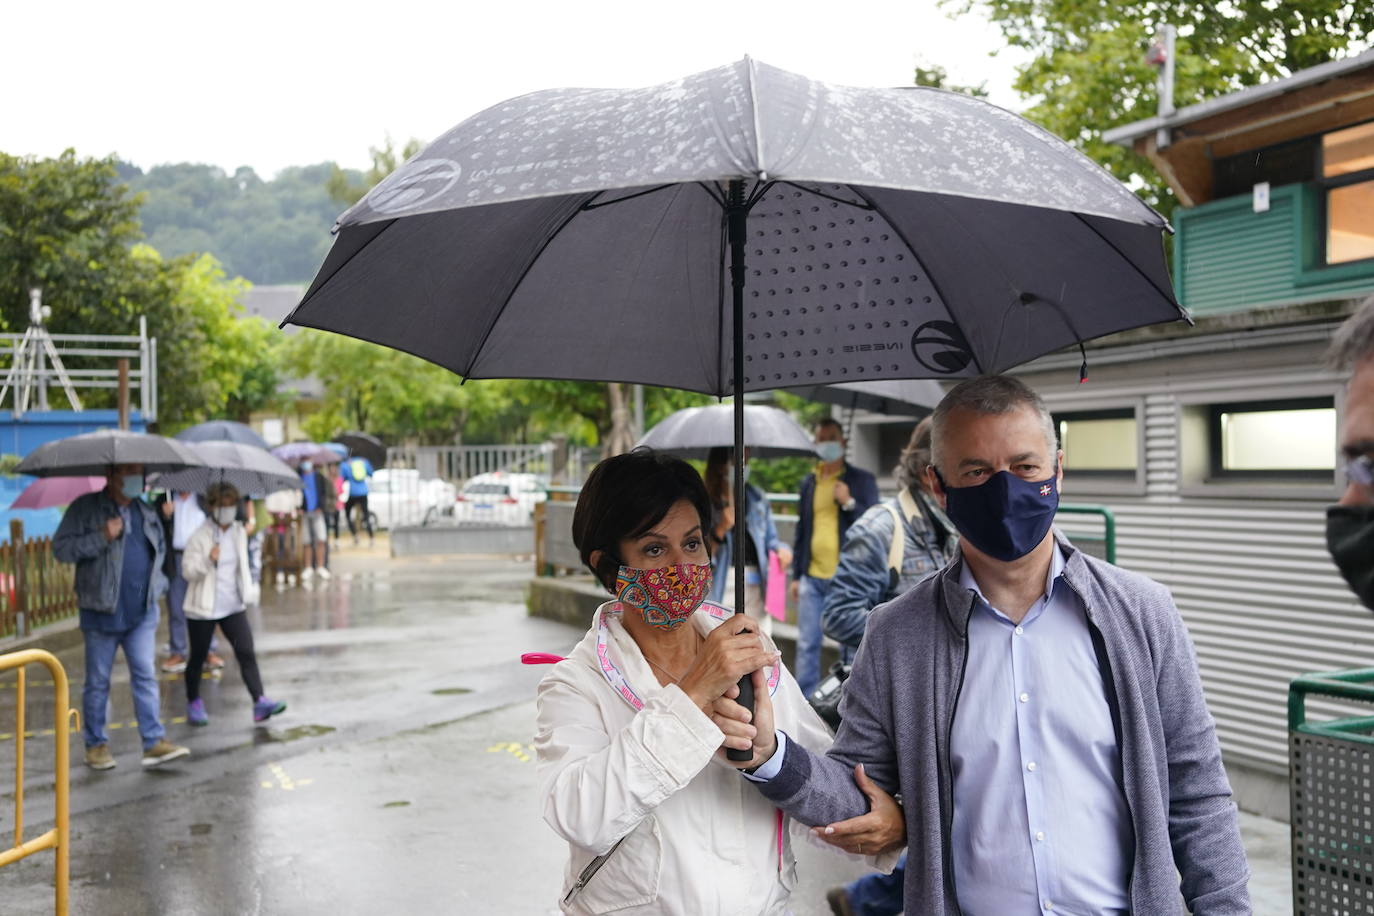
[937, 77]
[1089, 71]
[70, 226]
[347, 187]
[273, 231]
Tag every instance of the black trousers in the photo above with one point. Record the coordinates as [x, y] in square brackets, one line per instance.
[361, 503]
[235, 629]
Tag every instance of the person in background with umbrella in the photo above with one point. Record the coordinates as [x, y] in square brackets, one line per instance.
[316, 494]
[221, 590]
[116, 542]
[181, 515]
[832, 498]
[357, 471]
[763, 538]
[624, 740]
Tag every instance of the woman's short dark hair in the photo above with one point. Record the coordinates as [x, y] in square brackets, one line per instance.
[627, 495]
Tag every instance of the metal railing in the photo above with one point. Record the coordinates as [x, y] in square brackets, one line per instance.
[58, 838]
[1087, 540]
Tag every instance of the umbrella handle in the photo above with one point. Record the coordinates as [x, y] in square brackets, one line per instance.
[745, 699]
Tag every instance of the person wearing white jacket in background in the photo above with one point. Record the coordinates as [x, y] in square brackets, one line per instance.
[626, 748]
[220, 590]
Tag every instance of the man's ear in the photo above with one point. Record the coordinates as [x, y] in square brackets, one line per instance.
[1059, 470]
[937, 489]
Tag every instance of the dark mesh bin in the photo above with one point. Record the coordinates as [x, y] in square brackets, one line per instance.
[1332, 799]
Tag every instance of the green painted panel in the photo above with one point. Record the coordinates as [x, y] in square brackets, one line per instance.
[1228, 258]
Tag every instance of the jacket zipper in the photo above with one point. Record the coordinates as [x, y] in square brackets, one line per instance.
[947, 825]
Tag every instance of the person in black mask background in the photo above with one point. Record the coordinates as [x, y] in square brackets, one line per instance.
[1350, 523]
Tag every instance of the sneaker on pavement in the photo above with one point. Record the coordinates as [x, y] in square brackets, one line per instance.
[195, 712]
[281, 579]
[265, 708]
[306, 574]
[213, 661]
[324, 574]
[838, 899]
[98, 757]
[162, 752]
[174, 664]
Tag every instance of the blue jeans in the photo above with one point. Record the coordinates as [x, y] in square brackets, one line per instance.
[140, 648]
[811, 594]
[176, 616]
[878, 895]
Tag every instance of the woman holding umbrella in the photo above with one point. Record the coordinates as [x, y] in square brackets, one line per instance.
[221, 589]
[624, 740]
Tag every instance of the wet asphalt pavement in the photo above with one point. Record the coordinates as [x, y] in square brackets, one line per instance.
[399, 780]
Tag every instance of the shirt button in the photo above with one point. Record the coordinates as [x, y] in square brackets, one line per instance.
[1031, 766]
[1019, 631]
[1040, 836]
[1024, 698]
[1049, 904]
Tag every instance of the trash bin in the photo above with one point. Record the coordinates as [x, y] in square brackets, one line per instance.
[1331, 768]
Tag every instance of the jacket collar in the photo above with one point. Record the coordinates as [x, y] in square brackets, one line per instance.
[959, 600]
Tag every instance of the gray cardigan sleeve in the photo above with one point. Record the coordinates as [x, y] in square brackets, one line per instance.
[820, 789]
[1203, 826]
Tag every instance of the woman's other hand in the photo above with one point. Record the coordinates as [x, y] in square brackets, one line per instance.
[731, 651]
[744, 731]
[881, 830]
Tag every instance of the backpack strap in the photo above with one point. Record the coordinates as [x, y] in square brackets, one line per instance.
[897, 548]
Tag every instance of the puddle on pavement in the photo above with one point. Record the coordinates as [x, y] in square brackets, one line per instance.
[201, 829]
[396, 804]
[451, 691]
[300, 731]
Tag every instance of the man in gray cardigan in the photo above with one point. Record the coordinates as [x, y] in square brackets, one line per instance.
[1038, 710]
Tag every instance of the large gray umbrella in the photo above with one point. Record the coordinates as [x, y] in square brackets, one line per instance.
[694, 431]
[891, 397]
[251, 470]
[93, 454]
[222, 431]
[861, 233]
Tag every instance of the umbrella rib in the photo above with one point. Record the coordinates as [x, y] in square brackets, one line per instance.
[529, 265]
[977, 363]
[606, 203]
[315, 289]
[750, 75]
[713, 193]
[1166, 294]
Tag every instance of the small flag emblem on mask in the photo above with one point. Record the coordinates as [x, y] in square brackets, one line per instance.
[1046, 490]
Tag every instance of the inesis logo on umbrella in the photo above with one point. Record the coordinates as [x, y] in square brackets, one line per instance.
[428, 181]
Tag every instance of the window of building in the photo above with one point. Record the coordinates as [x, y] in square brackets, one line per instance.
[1348, 182]
[1292, 439]
[1100, 443]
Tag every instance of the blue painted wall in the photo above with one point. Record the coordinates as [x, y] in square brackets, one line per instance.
[21, 436]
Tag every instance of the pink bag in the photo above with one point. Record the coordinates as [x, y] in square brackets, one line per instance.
[775, 596]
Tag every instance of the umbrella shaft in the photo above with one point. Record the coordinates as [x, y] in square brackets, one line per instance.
[736, 220]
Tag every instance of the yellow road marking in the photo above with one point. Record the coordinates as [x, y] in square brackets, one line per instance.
[519, 751]
[283, 779]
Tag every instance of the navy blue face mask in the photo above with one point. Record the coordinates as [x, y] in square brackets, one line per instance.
[1005, 517]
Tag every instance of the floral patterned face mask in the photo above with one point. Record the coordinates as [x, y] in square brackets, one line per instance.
[665, 596]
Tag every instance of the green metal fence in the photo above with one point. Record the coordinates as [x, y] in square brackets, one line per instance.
[1331, 795]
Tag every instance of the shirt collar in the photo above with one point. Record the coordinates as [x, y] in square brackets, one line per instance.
[1057, 563]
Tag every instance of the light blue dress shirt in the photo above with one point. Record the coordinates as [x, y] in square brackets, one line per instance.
[1040, 825]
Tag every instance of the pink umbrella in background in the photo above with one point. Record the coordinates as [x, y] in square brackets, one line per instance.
[47, 492]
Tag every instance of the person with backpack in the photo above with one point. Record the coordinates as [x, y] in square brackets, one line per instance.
[357, 470]
[892, 546]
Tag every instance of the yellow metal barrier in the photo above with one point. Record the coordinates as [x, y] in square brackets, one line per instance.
[58, 838]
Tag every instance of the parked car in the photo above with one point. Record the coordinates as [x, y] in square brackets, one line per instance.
[398, 496]
[499, 498]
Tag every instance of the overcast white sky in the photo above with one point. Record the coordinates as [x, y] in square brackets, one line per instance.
[293, 82]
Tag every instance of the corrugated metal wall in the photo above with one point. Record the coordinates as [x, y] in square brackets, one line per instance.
[1251, 575]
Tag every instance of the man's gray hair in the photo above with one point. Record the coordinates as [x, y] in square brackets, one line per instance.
[1354, 340]
[988, 394]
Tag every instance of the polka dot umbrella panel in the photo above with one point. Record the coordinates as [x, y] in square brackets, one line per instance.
[890, 233]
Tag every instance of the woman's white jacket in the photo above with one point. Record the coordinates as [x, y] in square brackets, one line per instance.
[200, 571]
[619, 754]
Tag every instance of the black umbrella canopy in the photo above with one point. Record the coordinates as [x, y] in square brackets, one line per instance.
[222, 431]
[694, 431]
[885, 233]
[251, 470]
[95, 453]
[364, 445]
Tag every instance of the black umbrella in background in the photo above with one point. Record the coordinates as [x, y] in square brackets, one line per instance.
[742, 229]
[93, 454]
[222, 431]
[366, 446]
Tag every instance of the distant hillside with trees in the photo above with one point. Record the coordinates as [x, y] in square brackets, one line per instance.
[266, 231]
